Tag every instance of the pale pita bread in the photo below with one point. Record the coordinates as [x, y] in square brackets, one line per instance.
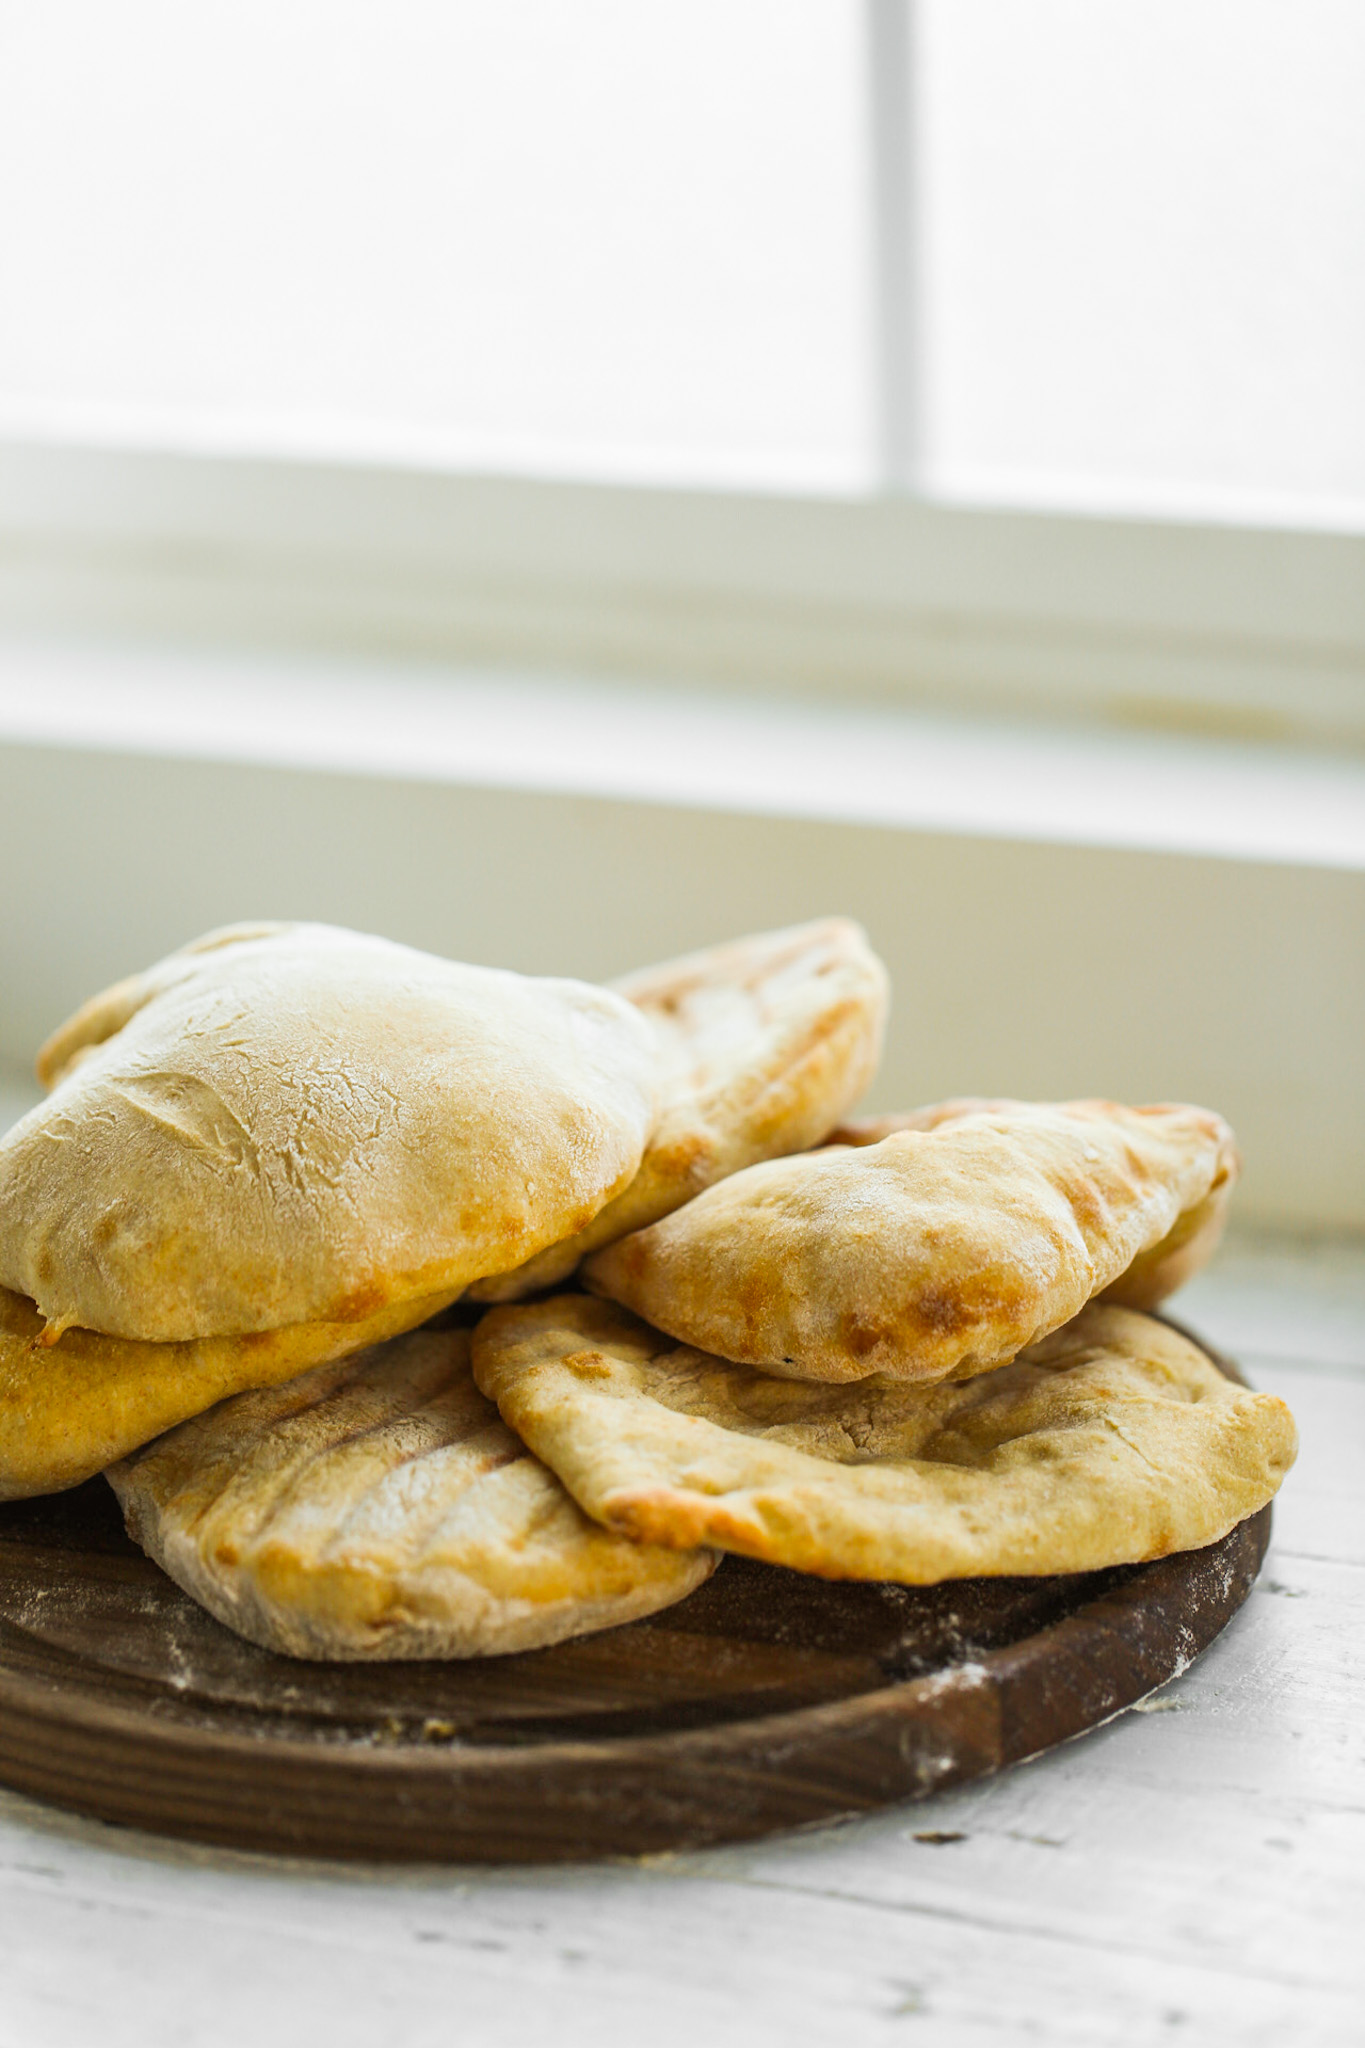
[1186, 1249]
[764, 1043]
[68, 1409]
[1113, 1441]
[105, 1014]
[296, 1124]
[870, 1130]
[932, 1255]
[379, 1509]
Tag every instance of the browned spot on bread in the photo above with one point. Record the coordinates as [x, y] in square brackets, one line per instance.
[361, 1302]
[589, 1365]
[944, 1310]
[861, 1337]
[681, 1157]
[662, 1515]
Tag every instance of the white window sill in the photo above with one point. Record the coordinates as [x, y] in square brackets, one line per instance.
[572, 736]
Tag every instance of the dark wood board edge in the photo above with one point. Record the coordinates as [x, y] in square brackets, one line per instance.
[577, 1801]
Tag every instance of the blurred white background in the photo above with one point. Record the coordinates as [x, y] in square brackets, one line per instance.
[618, 241]
[1144, 272]
[601, 239]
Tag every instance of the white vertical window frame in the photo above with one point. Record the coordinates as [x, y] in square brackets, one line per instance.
[898, 409]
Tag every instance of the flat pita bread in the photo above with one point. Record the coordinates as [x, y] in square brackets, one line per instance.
[296, 1124]
[1113, 1441]
[1186, 1249]
[763, 1044]
[69, 1409]
[379, 1509]
[932, 1255]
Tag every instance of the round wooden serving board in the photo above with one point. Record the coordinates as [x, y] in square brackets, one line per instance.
[766, 1700]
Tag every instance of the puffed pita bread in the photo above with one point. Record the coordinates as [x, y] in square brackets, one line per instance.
[380, 1509]
[763, 1044]
[933, 1255]
[297, 1124]
[1113, 1441]
[1186, 1249]
[68, 1409]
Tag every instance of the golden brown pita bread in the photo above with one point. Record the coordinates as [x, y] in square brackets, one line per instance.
[68, 1409]
[1186, 1249]
[1113, 1441]
[763, 1044]
[296, 1124]
[932, 1255]
[379, 1509]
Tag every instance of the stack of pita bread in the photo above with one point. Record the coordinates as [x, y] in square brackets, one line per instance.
[417, 1309]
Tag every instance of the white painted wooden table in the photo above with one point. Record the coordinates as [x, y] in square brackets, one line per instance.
[1193, 1872]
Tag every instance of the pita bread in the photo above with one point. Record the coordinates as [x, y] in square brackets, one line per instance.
[107, 1013]
[932, 1255]
[296, 1124]
[1113, 1441]
[1186, 1249]
[68, 1409]
[763, 1044]
[379, 1509]
[870, 1130]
